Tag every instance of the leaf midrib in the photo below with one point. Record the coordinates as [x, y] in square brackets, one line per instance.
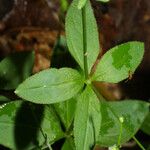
[54, 84]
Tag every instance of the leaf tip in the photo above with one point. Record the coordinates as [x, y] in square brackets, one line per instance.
[16, 91]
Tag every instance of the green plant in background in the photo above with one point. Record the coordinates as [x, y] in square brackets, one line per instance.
[73, 109]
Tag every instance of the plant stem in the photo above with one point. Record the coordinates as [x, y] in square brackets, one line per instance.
[138, 143]
[84, 42]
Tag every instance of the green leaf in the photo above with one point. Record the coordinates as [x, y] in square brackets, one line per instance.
[120, 62]
[21, 125]
[69, 144]
[74, 34]
[146, 125]
[51, 86]
[87, 120]
[128, 115]
[81, 4]
[66, 111]
[15, 68]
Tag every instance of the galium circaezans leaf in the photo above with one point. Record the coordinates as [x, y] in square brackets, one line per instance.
[74, 34]
[119, 62]
[87, 120]
[51, 86]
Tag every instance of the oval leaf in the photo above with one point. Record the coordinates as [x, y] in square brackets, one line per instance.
[87, 120]
[112, 112]
[21, 126]
[74, 34]
[51, 86]
[15, 68]
[119, 62]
